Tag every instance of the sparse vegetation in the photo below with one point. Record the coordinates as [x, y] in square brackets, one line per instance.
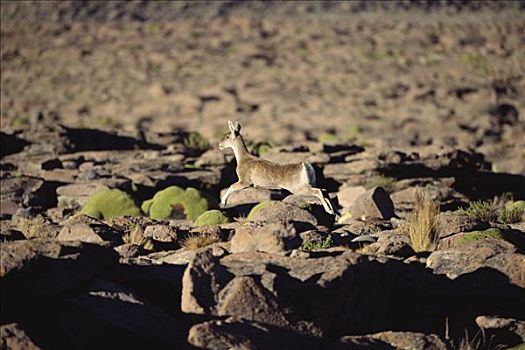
[388, 183]
[109, 203]
[196, 141]
[511, 214]
[324, 244]
[136, 236]
[501, 209]
[479, 211]
[212, 217]
[421, 224]
[197, 241]
[328, 138]
[494, 233]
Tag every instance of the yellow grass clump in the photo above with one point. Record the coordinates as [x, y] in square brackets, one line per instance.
[200, 240]
[421, 225]
[136, 236]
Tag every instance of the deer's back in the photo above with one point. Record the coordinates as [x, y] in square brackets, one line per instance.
[267, 174]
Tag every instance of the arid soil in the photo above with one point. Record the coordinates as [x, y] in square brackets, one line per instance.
[413, 116]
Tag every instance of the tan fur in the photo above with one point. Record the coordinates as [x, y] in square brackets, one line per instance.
[262, 173]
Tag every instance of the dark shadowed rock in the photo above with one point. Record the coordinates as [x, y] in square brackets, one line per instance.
[10, 144]
[494, 253]
[129, 250]
[38, 268]
[280, 211]
[236, 333]
[391, 243]
[508, 325]
[202, 281]
[393, 340]
[11, 235]
[107, 315]
[273, 237]
[14, 337]
[374, 203]
[244, 297]
[25, 191]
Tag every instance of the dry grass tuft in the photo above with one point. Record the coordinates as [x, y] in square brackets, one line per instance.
[136, 236]
[421, 225]
[195, 242]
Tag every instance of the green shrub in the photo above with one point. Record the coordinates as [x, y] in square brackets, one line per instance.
[478, 235]
[108, 203]
[512, 213]
[258, 208]
[212, 217]
[195, 140]
[328, 138]
[261, 148]
[325, 244]
[479, 211]
[388, 183]
[174, 202]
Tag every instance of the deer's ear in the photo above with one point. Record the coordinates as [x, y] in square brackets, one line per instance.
[237, 127]
[230, 125]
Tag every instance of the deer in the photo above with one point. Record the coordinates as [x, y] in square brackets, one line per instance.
[297, 178]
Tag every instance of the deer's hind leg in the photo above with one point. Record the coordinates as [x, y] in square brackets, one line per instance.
[316, 192]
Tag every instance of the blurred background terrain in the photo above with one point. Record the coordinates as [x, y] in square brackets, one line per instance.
[398, 73]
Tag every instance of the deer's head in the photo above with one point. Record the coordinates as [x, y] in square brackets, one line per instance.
[233, 137]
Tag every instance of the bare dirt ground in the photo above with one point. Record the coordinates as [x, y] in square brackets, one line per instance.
[377, 77]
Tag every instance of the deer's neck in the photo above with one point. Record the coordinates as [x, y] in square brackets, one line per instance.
[240, 150]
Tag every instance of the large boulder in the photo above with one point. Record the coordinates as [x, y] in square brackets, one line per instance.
[42, 268]
[85, 229]
[273, 237]
[283, 212]
[373, 204]
[393, 340]
[496, 254]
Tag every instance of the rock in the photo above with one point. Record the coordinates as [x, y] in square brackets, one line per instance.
[25, 191]
[391, 243]
[129, 250]
[251, 195]
[110, 315]
[500, 323]
[77, 195]
[244, 297]
[374, 203]
[280, 211]
[449, 224]
[274, 237]
[358, 227]
[14, 337]
[11, 235]
[394, 340]
[38, 268]
[36, 227]
[236, 332]
[212, 157]
[90, 232]
[316, 289]
[202, 281]
[348, 194]
[161, 233]
[493, 253]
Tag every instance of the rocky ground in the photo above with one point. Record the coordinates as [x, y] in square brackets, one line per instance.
[111, 231]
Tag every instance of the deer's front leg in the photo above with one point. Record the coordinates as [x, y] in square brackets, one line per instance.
[233, 188]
